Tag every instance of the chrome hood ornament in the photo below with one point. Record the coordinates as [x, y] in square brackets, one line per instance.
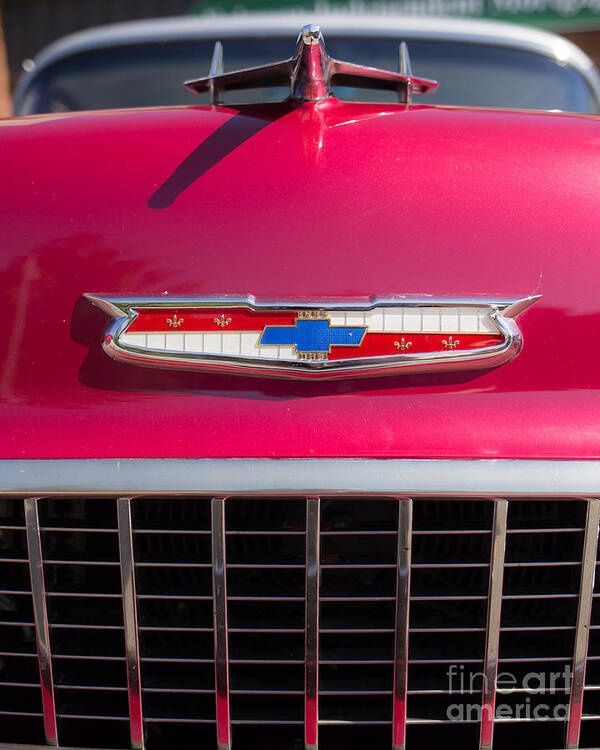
[312, 339]
[311, 73]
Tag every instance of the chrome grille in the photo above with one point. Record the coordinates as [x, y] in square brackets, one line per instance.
[292, 622]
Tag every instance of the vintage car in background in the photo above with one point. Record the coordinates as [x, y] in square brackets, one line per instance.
[478, 63]
[300, 439]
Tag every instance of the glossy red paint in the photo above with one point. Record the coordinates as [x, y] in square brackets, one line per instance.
[328, 201]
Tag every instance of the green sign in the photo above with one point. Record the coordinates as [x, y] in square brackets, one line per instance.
[558, 14]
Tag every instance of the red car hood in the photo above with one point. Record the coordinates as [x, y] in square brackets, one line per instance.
[330, 201]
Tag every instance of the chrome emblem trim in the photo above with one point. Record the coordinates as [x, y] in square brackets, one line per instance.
[312, 339]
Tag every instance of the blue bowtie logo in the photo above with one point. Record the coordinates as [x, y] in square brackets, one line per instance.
[312, 336]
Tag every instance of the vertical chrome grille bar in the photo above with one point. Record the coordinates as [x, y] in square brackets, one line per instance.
[40, 613]
[584, 611]
[492, 635]
[311, 628]
[405, 511]
[220, 623]
[132, 651]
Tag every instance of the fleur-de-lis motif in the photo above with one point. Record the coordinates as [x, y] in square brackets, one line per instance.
[222, 321]
[174, 321]
[450, 344]
[402, 345]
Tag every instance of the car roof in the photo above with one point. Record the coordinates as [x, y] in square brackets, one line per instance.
[350, 23]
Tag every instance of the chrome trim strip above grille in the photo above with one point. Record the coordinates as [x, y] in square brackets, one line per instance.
[402, 613]
[300, 476]
[132, 651]
[40, 612]
[584, 611]
[311, 633]
[220, 623]
[492, 636]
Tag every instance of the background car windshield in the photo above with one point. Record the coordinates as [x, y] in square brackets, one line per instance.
[148, 74]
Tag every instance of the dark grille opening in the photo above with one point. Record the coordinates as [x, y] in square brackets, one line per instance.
[357, 637]
[12, 513]
[544, 549]
[276, 515]
[464, 707]
[265, 545]
[431, 614]
[13, 544]
[446, 645]
[261, 615]
[175, 613]
[19, 639]
[251, 646]
[14, 697]
[178, 676]
[360, 615]
[257, 583]
[452, 514]
[176, 644]
[372, 647]
[81, 610]
[547, 547]
[444, 581]
[347, 678]
[282, 554]
[77, 513]
[87, 547]
[343, 737]
[107, 701]
[455, 734]
[535, 514]
[589, 732]
[438, 550]
[19, 669]
[449, 590]
[176, 735]
[81, 553]
[540, 643]
[590, 729]
[267, 678]
[179, 705]
[20, 692]
[356, 708]
[16, 608]
[541, 579]
[357, 515]
[173, 581]
[538, 735]
[81, 579]
[24, 727]
[454, 676]
[274, 709]
[90, 673]
[357, 582]
[16, 575]
[251, 549]
[276, 737]
[100, 733]
[174, 586]
[165, 549]
[358, 549]
[529, 612]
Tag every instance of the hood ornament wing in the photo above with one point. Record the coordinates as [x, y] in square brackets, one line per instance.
[312, 339]
[310, 74]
